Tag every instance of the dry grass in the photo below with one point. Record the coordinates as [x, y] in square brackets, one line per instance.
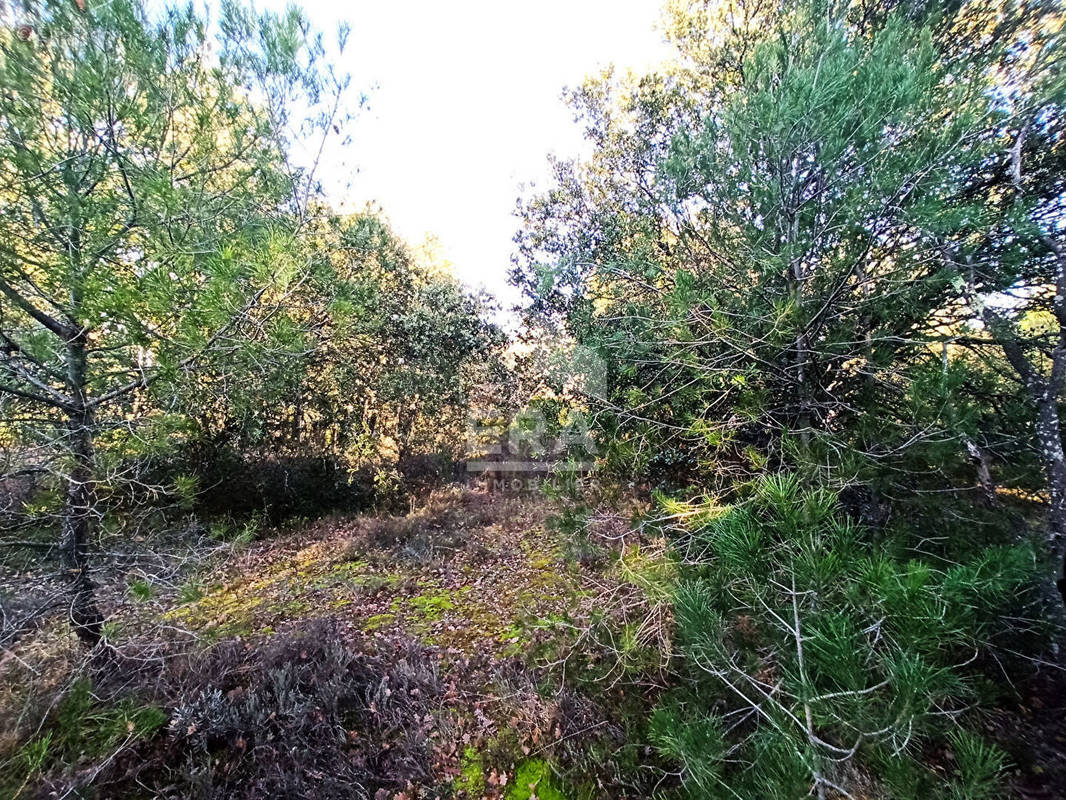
[474, 588]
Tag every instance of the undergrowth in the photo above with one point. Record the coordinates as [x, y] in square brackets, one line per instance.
[814, 662]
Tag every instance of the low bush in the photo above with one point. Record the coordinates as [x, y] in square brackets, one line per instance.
[812, 663]
[313, 714]
[280, 487]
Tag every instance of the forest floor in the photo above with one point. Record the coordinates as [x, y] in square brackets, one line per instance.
[465, 649]
[520, 663]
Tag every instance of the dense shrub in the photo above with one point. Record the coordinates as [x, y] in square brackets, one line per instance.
[815, 663]
[281, 487]
[313, 714]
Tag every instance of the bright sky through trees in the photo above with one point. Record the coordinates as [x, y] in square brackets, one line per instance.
[465, 106]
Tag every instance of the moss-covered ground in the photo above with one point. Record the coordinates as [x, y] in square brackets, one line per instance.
[467, 572]
[548, 661]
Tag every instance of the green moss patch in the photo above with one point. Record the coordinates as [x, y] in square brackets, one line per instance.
[499, 584]
[533, 779]
[471, 778]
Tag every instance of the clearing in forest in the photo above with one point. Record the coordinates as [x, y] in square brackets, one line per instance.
[460, 650]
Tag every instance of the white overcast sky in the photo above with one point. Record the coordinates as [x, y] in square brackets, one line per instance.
[464, 107]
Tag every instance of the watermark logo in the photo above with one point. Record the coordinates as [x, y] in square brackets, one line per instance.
[528, 443]
[546, 440]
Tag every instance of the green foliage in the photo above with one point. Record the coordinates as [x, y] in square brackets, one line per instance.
[34, 755]
[185, 488]
[694, 742]
[776, 255]
[779, 244]
[400, 349]
[141, 589]
[82, 728]
[533, 778]
[190, 592]
[816, 649]
[160, 149]
[979, 766]
[242, 533]
[471, 779]
[766, 241]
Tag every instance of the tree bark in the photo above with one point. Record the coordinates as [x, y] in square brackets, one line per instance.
[796, 275]
[1043, 391]
[1049, 436]
[77, 529]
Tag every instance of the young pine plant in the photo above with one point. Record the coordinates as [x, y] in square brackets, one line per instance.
[815, 665]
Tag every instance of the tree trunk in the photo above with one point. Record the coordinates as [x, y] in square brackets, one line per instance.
[405, 426]
[85, 616]
[1049, 436]
[981, 461]
[1044, 394]
[797, 276]
[804, 416]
